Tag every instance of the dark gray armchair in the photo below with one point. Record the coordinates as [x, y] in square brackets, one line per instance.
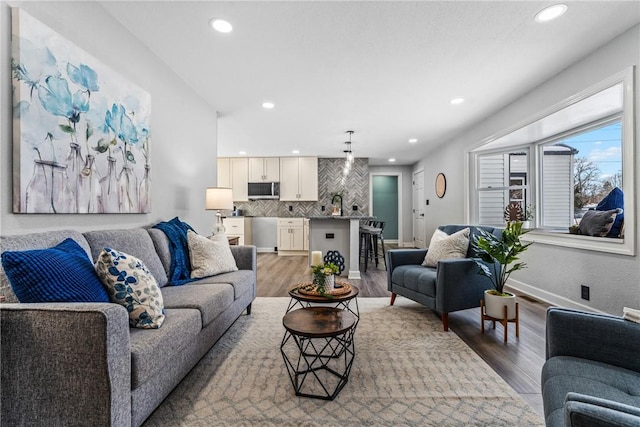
[592, 373]
[453, 285]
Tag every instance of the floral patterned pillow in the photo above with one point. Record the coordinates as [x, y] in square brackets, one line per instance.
[129, 283]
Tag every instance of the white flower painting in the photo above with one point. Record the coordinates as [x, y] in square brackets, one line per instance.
[81, 131]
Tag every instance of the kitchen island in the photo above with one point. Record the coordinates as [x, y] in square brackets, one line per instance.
[338, 233]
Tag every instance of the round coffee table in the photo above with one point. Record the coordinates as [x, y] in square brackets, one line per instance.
[343, 301]
[318, 350]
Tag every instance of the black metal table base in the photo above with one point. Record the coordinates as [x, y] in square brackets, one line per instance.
[318, 367]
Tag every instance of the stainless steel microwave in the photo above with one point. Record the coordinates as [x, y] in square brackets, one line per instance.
[264, 190]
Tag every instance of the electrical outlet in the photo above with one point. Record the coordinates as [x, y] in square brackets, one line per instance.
[584, 292]
[322, 208]
[290, 208]
[354, 208]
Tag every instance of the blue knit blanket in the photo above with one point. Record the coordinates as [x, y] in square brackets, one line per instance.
[180, 268]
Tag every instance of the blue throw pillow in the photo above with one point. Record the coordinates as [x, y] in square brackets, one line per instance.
[62, 273]
[613, 200]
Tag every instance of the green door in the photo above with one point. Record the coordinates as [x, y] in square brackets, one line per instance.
[385, 203]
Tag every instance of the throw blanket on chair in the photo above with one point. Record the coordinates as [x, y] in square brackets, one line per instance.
[180, 268]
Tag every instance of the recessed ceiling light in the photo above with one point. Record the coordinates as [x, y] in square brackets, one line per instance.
[413, 140]
[296, 152]
[220, 25]
[242, 153]
[456, 101]
[550, 13]
[392, 160]
[268, 105]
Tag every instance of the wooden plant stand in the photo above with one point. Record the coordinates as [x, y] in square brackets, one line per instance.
[504, 321]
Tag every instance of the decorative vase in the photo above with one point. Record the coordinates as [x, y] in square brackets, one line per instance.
[127, 191]
[49, 191]
[75, 163]
[88, 192]
[145, 191]
[109, 189]
[329, 282]
[494, 305]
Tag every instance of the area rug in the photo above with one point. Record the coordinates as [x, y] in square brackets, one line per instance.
[407, 372]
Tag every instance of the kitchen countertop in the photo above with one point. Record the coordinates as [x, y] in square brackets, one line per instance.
[342, 217]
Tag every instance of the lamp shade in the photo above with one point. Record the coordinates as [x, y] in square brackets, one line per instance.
[218, 198]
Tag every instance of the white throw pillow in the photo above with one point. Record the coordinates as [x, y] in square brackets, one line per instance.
[130, 283]
[209, 256]
[444, 246]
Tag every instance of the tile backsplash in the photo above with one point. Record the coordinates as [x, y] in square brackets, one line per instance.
[354, 188]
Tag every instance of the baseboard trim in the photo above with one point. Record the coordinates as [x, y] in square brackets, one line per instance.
[548, 297]
[267, 250]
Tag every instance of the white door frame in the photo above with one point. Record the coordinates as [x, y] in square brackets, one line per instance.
[399, 175]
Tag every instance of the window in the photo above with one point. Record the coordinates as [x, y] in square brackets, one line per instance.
[560, 165]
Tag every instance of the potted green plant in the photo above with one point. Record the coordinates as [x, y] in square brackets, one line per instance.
[324, 276]
[499, 256]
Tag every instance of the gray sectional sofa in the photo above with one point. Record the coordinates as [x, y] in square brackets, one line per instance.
[80, 364]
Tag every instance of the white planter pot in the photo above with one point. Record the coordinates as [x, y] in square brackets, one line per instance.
[329, 282]
[494, 305]
[526, 224]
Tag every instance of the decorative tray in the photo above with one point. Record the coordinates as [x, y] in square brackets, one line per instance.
[308, 288]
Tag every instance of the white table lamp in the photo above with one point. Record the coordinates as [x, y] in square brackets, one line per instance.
[218, 198]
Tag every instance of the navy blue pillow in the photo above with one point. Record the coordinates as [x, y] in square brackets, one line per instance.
[62, 273]
[614, 200]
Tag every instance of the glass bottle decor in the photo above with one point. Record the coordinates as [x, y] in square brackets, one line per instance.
[145, 191]
[88, 191]
[49, 190]
[109, 188]
[75, 163]
[127, 190]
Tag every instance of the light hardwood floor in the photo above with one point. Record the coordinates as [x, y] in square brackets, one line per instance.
[519, 361]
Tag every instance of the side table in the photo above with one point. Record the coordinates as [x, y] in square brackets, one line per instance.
[318, 350]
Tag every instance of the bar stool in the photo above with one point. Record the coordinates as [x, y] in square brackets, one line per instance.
[377, 236]
[365, 242]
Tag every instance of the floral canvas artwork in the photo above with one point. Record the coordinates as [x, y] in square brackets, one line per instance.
[81, 131]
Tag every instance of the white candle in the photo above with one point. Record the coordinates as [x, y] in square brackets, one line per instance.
[316, 257]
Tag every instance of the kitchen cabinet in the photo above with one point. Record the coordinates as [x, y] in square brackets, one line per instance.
[264, 169]
[224, 172]
[299, 179]
[291, 236]
[234, 173]
[240, 227]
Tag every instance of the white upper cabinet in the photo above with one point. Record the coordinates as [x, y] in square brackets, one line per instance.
[264, 169]
[233, 173]
[299, 179]
[224, 172]
[239, 179]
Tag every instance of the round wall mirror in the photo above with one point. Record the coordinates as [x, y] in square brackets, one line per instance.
[441, 185]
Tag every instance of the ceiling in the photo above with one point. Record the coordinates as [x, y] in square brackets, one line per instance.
[386, 70]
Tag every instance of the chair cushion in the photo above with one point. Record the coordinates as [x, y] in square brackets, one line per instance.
[130, 284]
[564, 374]
[135, 242]
[416, 278]
[63, 273]
[210, 299]
[153, 349]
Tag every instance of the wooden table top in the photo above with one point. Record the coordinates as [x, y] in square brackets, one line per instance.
[318, 322]
[293, 293]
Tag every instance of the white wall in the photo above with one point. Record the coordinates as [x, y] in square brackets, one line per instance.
[554, 273]
[407, 196]
[183, 125]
